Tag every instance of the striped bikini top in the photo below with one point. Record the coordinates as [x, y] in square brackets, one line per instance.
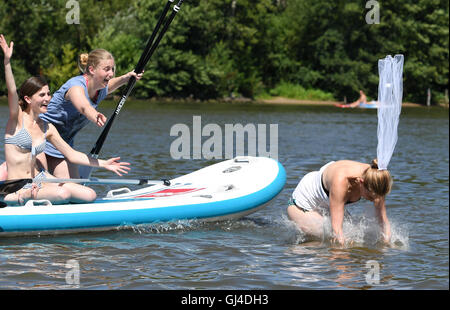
[23, 140]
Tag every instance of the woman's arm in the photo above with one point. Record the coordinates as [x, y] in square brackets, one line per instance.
[383, 221]
[337, 198]
[337, 219]
[79, 158]
[13, 98]
[115, 83]
[78, 98]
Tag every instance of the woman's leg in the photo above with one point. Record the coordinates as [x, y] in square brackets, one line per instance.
[80, 193]
[310, 222]
[56, 193]
[61, 168]
[22, 196]
[65, 193]
[3, 172]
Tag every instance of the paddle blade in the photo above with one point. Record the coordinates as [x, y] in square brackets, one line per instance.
[11, 186]
[84, 172]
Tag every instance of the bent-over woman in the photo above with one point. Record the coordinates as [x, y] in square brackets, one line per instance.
[331, 189]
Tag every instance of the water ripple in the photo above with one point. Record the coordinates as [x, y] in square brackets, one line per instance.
[264, 250]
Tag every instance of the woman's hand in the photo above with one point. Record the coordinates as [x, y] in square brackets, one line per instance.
[136, 76]
[100, 120]
[115, 166]
[338, 238]
[7, 50]
[117, 82]
[342, 241]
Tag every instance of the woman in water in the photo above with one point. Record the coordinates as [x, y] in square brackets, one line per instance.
[25, 138]
[334, 186]
[75, 104]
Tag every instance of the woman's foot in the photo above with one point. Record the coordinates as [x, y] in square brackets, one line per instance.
[27, 194]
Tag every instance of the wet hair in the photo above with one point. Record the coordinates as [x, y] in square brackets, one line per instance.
[378, 182]
[93, 59]
[29, 88]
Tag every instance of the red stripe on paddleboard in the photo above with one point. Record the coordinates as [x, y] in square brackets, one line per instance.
[170, 192]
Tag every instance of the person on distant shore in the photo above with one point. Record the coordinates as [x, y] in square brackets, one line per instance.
[75, 104]
[362, 100]
[327, 192]
[25, 139]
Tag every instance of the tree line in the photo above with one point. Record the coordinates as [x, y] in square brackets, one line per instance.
[222, 48]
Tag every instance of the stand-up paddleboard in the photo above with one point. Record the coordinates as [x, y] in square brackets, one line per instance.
[369, 105]
[227, 190]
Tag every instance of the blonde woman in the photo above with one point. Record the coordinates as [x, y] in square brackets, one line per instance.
[339, 183]
[334, 186]
[76, 102]
[25, 139]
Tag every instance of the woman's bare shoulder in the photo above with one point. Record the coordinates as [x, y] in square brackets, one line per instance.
[343, 169]
[349, 165]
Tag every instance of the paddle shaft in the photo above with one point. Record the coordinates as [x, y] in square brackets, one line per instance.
[145, 57]
[22, 182]
[106, 181]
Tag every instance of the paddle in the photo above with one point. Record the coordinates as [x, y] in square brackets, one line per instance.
[107, 181]
[11, 186]
[85, 171]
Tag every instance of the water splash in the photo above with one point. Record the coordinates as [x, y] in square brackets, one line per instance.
[161, 228]
[359, 231]
[181, 226]
[365, 231]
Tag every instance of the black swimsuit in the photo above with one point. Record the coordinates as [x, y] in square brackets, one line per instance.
[328, 193]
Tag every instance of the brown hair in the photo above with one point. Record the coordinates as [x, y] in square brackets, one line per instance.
[93, 59]
[377, 181]
[29, 88]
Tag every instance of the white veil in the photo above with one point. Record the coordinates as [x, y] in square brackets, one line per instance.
[390, 90]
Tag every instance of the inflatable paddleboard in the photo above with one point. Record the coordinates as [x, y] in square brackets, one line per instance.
[227, 190]
[370, 105]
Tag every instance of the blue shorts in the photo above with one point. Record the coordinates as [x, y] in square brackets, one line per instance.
[52, 151]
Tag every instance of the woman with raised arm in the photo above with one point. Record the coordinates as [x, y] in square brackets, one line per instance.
[25, 139]
[76, 102]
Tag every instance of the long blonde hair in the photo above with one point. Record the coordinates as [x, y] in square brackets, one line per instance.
[93, 59]
[377, 181]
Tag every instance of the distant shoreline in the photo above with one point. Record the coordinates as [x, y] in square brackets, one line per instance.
[271, 101]
[274, 101]
[282, 100]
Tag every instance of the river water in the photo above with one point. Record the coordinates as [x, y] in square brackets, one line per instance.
[263, 250]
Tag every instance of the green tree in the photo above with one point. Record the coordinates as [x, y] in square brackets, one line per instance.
[215, 48]
[62, 67]
[338, 50]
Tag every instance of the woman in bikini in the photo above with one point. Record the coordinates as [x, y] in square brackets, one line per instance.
[25, 139]
[334, 186]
